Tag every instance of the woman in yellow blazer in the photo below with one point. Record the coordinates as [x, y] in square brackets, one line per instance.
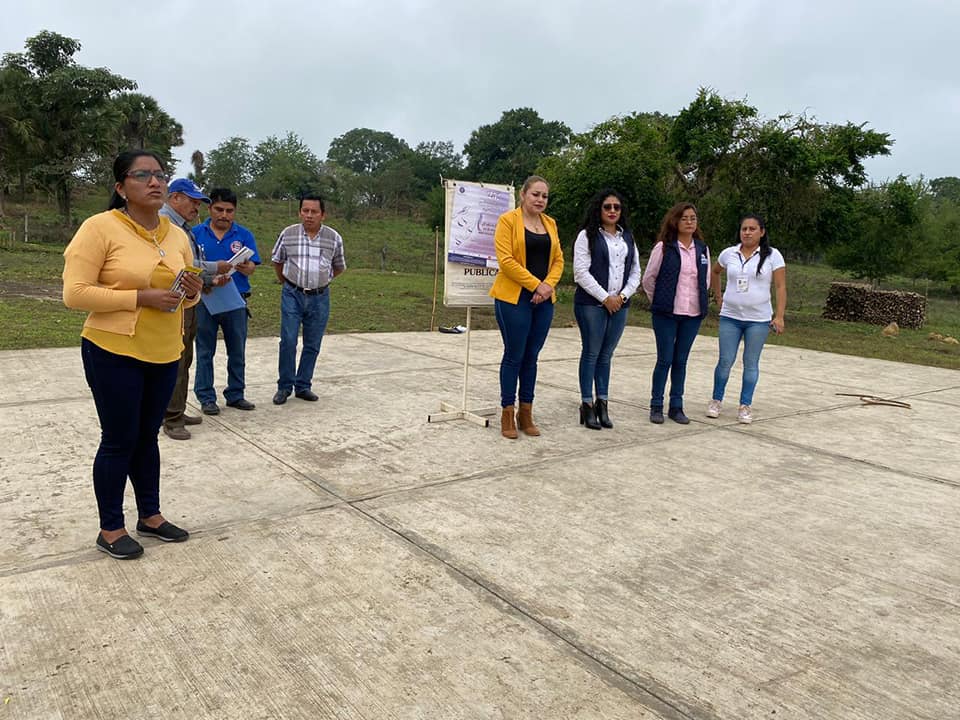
[531, 262]
[120, 267]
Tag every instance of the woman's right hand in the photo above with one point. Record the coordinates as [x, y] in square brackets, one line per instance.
[158, 298]
[613, 303]
[542, 293]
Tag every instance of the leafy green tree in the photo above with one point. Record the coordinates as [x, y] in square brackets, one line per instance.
[626, 153]
[366, 151]
[286, 168]
[69, 107]
[146, 125]
[842, 150]
[141, 124]
[396, 184]
[938, 246]
[946, 188]
[429, 161]
[704, 135]
[887, 220]
[509, 150]
[17, 139]
[350, 190]
[231, 164]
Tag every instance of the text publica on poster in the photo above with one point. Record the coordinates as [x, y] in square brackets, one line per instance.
[472, 211]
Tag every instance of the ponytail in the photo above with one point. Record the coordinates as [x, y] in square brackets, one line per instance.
[764, 250]
[116, 202]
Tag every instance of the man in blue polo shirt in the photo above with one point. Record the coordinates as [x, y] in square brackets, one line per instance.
[221, 238]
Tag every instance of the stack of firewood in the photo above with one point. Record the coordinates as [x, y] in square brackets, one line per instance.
[860, 303]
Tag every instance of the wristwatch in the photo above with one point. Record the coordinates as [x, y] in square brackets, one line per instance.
[623, 297]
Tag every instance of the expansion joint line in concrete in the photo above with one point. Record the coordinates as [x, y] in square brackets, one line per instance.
[833, 454]
[659, 699]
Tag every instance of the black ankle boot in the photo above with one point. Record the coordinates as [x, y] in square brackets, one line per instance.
[600, 406]
[588, 416]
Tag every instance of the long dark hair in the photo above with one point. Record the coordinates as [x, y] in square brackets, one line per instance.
[121, 166]
[764, 239]
[593, 217]
[671, 222]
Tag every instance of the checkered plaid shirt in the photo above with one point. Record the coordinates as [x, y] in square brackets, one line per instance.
[309, 261]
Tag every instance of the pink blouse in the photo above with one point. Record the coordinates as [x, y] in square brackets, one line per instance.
[687, 299]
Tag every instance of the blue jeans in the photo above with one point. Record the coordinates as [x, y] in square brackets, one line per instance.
[753, 334]
[234, 325]
[524, 329]
[599, 334]
[131, 396]
[675, 335]
[312, 312]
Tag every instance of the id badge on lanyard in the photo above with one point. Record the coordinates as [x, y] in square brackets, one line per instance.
[743, 284]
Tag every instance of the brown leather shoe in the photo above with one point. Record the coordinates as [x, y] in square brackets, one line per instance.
[525, 420]
[176, 432]
[191, 420]
[508, 423]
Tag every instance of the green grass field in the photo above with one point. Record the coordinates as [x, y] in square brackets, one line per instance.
[389, 287]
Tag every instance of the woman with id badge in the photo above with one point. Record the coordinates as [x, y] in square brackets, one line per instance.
[745, 310]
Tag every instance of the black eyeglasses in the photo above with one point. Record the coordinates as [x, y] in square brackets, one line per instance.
[612, 206]
[145, 175]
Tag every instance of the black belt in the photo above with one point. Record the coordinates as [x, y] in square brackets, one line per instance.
[245, 295]
[318, 291]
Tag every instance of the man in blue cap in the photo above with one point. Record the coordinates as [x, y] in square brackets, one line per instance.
[183, 207]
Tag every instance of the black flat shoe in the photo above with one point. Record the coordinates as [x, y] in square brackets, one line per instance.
[242, 404]
[168, 532]
[676, 414]
[307, 395]
[656, 415]
[125, 548]
[281, 397]
[601, 407]
[210, 408]
[588, 417]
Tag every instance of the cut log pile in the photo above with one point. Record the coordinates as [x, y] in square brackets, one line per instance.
[860, 303]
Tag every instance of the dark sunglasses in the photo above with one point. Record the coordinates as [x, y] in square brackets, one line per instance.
[612, 206]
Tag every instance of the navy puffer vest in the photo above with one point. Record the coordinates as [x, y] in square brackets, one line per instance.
[665, 291]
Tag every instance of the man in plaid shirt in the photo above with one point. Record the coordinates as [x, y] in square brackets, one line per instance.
[306, 257]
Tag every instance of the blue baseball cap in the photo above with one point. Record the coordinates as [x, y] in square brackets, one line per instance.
[188, 188]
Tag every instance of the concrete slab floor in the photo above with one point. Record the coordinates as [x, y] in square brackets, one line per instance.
[351, 560]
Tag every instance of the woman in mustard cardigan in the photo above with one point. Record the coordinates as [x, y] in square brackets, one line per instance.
[120, 267]
[531, 262]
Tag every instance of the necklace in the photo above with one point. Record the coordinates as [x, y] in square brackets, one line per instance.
[153, 233]
[535, 225]
[159, 249]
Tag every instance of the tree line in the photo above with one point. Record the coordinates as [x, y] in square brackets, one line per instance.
[61, 124]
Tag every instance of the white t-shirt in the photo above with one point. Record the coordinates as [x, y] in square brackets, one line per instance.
[747, 296]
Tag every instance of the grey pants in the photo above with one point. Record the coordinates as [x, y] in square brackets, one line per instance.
[178, 401]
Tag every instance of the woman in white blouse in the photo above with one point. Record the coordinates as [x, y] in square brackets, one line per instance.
[745, 310]
[606, 269]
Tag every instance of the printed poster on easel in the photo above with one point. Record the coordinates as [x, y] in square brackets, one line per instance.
[472, 211]
[470, 266]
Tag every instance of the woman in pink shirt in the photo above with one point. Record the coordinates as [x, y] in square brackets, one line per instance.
[676, 281]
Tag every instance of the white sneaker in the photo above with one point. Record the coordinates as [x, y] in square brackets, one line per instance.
[713, 409]
[745, 415]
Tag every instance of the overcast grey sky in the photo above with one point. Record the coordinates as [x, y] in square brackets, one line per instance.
[436, 70]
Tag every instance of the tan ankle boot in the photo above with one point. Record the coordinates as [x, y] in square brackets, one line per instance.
[508, 423]
[525, 419]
